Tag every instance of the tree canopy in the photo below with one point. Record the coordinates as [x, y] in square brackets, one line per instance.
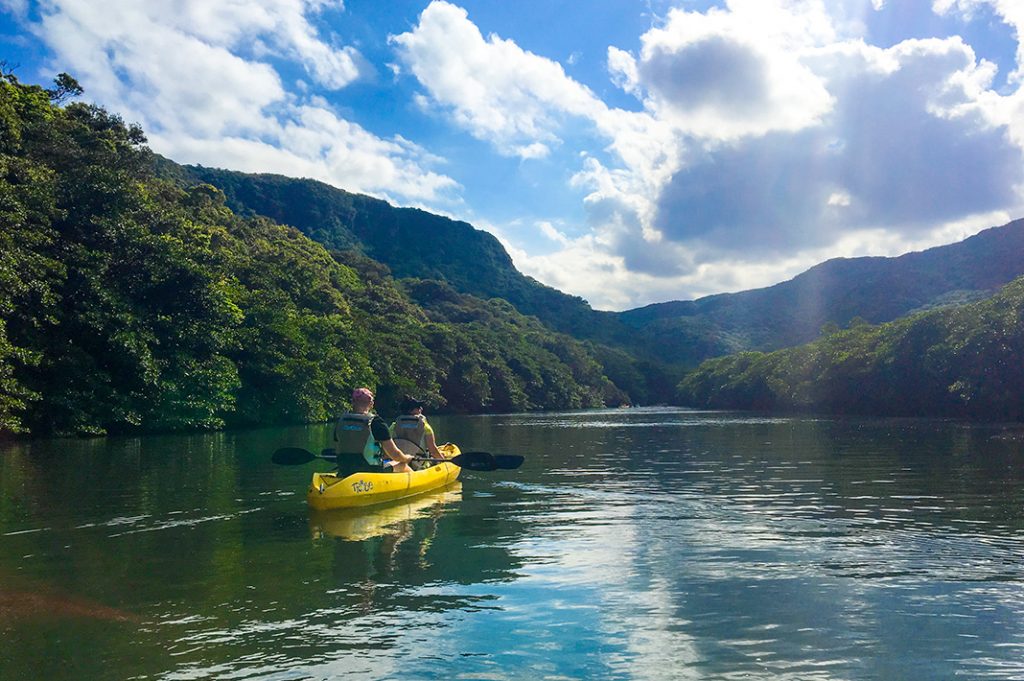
[133, 302]
[958, 361]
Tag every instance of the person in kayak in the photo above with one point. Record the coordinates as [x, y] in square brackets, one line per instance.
[412, 433]
[361, 433]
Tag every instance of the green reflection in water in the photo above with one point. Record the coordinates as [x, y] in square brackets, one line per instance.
[632, 544]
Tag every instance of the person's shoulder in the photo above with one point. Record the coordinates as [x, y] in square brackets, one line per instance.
[379, 428]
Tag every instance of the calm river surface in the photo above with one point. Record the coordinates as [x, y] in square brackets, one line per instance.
[632, 544]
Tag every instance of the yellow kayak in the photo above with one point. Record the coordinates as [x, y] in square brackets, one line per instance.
[327, 490]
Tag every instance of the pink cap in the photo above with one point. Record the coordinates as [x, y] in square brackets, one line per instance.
[362, 393]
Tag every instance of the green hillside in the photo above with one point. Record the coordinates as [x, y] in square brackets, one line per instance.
[133, 302]
[412, 242]
[140, 295]
[665, 334]
[834, 292]
[958, 361]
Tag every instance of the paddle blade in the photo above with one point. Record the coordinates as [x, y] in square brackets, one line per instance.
[292, 456]
[475, 461]
[507, 462]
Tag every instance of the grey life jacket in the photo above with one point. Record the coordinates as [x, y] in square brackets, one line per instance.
[409, 433]
[352, 436]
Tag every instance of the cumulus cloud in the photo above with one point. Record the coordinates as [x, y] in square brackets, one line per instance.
[774, 137]
[771, 136]
[766, 136]
[199, 77]
[548, 229]
[728, 74]
[499, 92]
[1011, 11]
[891, 147]
[908, 144]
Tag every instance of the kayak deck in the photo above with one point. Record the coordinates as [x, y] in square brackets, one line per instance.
[327, 490]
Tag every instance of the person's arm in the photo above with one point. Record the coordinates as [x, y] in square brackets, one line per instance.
[393, 452]
[382, 436]
[432, 449]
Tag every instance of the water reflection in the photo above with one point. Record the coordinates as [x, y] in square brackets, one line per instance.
[632, 544]
[357, 524]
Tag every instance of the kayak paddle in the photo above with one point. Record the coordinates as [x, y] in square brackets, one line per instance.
[507, 462]
[474, 461]
[295, 456]
[486, 460]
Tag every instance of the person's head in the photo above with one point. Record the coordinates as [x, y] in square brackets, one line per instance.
[411, 405]
[362, 399]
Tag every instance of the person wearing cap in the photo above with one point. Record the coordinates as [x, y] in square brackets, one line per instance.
[362, 438]
[411, 432]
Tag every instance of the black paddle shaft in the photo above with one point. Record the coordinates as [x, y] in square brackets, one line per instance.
[474, 461]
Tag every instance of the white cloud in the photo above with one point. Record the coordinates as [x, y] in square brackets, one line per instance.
[199, 78]
[726, 74]
[18, 8]
[840, 198]
[769, 134]
[912, 145]
[1011, 11]
[529, 151]
[737, 181]
[499, 92]
[552, 233]
[587, 268]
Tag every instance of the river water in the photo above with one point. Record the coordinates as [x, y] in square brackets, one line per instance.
[632, 544]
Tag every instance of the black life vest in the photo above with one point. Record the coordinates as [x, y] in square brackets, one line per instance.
[409, 433]
[352, 435]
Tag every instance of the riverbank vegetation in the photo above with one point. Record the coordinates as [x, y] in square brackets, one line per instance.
[964, 361]
[129, 302]
[139, 295]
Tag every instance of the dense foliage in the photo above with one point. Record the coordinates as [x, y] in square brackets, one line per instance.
[130, 301]
[665, 336]
[412, 242]
[420, 245]
[495, 353]
[958, 361]
[133, 297]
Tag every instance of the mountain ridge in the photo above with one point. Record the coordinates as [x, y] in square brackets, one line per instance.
[837, 291]
[876, 289]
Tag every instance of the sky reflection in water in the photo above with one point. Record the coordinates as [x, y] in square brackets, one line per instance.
[633, 544]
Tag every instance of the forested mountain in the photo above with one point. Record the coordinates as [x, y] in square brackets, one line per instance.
[412, 242]
[131, 302]
[875, 289]
[837, 291]
[138, 295]
[959, 361]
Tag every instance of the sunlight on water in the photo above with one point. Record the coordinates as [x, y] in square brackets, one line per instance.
[632, 544]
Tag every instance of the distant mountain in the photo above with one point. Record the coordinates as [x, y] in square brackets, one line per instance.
[874, 289]
[130, 303]
[962, 361]
[415, 243]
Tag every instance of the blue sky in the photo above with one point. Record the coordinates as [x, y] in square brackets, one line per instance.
[625, 151]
